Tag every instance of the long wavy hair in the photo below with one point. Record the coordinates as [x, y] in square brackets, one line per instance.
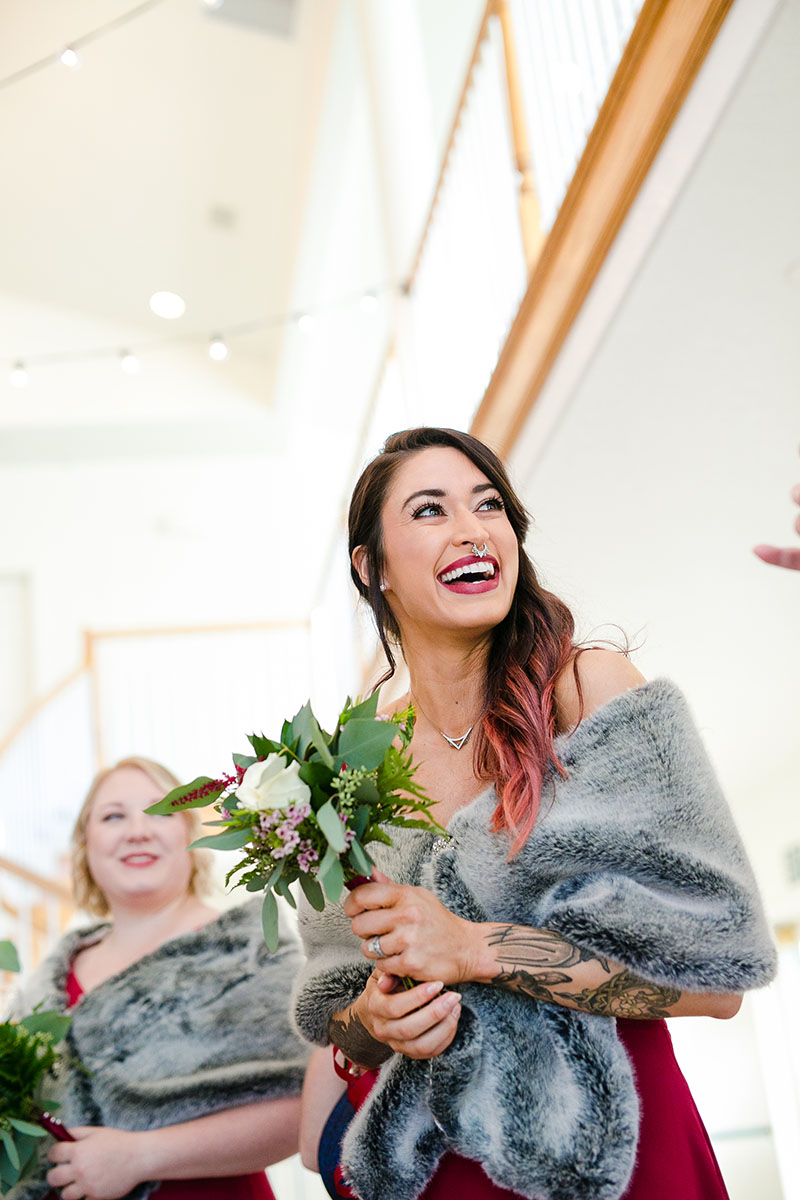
[530, 647]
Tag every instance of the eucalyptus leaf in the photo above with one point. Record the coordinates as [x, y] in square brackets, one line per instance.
[256, 884]
[34, 1131]
[331, 825]
[331, 875]
[366, 792]
[234, 839]
[54, 1024]
[361, 820]
[363, 743]
[10, 1147]
[269, 921]
[244, 760]
[275, 874]
[181, 798]
[9, 959]
[312, 890]
[360, 859]
[282, 888]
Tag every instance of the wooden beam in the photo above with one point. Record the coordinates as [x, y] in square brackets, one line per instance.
[668, 44]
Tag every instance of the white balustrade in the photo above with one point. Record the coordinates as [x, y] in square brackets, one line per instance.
[568, 51]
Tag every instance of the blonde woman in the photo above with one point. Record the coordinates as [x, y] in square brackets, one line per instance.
[183, 1074]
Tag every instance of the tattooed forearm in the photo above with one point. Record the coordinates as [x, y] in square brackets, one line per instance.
[539, 948]
[627, 995]
[348, 1032]
[540, 964]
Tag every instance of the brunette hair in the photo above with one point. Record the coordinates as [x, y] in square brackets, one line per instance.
[86, 893]
[529, 648]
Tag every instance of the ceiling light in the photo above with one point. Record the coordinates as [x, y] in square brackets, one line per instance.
[70, 58]
[129, 363]
[217, 348]
[19, 376]
[306, 323]
[212, 4]
[168, 305]
[368, 302]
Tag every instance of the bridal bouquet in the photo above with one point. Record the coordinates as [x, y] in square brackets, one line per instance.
[27, 1054]
[306, 806]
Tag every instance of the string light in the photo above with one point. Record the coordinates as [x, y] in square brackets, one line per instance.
[168, 305]
[69, 57]
[218, 347]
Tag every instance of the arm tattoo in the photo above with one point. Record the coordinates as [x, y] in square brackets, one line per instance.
[351, 1035]
[539, 949]
[537, 962]
[627, 995]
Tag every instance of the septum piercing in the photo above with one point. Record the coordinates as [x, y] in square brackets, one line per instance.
[484, 550]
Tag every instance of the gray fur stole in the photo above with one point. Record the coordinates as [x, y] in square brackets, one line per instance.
[199, 1025]
[634, 857]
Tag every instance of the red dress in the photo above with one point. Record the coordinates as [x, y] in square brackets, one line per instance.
[226, 1187]
[674, 1159]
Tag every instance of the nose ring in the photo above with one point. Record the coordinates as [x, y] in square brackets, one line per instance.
[484, 550]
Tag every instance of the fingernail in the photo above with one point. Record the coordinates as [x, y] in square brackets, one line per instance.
[453, 998]
[433, 988]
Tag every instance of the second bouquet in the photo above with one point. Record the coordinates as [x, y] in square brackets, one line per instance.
[307, 805]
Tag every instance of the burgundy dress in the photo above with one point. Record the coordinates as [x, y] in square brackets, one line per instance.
[674, 1159]
[227, 1187]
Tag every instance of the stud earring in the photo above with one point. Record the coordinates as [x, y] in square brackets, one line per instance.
[383, 585]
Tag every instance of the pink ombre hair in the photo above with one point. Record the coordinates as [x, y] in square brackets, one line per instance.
[532, 645]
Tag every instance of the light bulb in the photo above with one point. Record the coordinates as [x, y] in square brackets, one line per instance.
[70, 58]
[129, 363]
[368, 302]
[217, 349]
[306, 323]
[168, 305]
[19, 376]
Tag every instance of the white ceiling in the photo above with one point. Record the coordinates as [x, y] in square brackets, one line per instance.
[175, 158]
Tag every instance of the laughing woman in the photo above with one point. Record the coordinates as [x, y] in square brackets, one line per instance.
[182, 1074]
[592, 883]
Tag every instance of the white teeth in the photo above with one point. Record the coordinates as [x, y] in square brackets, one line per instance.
[474, 568]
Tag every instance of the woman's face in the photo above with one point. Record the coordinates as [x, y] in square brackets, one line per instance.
[438, 507]
[135, 858]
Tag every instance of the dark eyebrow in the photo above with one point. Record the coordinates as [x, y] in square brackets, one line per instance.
[438, 492]
[424, 492]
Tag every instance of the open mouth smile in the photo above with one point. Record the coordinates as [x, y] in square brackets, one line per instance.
[139, 860]
[471, 575]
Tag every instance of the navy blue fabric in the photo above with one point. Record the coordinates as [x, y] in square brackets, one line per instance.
[330, 1143]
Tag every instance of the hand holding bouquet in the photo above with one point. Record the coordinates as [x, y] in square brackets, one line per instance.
[306, 806]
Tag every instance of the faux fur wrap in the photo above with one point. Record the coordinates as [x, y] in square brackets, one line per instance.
[200, 1025]
[634, 857]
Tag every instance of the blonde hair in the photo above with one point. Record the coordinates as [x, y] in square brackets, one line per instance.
[86, 893]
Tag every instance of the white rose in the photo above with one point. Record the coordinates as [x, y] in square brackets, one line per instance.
[272, 784]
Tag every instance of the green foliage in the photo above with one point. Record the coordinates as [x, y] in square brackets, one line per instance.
[361, 783]
[9, 959]
[27, 1054]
